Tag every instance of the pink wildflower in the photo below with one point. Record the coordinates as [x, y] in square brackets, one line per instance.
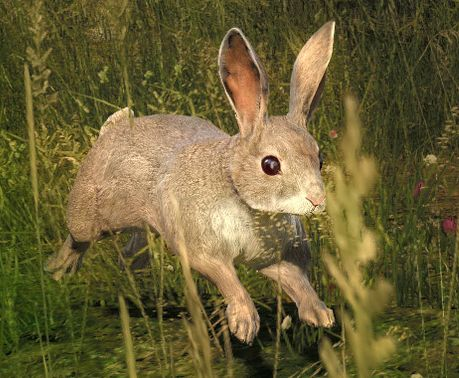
[333, 134]
[449, 225]
[417, 189]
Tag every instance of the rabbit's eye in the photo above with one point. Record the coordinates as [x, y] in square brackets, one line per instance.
[321, 160]
[270, 165]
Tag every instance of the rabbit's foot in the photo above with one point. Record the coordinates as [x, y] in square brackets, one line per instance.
[68, 259]
[59, 265]
[316, 314]
[243, 320]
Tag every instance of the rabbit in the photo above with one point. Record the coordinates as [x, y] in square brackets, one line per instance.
[228, 199]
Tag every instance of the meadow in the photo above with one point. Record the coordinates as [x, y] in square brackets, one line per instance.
[65, 66]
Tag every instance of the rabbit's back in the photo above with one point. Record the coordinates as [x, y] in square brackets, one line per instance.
[121, 172]
[162, 133]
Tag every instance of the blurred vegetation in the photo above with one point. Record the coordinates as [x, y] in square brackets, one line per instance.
[356, 247]
[87, 59]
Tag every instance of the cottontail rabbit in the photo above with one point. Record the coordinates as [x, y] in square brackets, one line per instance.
[230, 199]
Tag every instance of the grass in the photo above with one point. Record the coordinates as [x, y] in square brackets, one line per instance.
[356, 248]
[87, 59]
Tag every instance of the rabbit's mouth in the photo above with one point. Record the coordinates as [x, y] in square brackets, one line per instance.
[298, 205]
[319, 208]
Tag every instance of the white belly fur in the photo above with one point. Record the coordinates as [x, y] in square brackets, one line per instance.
[252, 237]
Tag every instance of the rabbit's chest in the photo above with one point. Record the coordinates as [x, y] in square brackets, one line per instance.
[254, 238]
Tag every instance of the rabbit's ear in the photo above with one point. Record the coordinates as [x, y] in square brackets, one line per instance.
[308, 76]
[244, 80]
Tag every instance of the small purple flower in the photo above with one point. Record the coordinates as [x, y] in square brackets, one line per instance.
[449, 225]
[417, 189]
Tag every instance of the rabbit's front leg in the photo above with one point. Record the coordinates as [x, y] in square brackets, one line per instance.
[294, 281]
[243, 319]
[68, 259]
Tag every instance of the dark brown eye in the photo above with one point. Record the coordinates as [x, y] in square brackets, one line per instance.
[321, 160]
[270, 165]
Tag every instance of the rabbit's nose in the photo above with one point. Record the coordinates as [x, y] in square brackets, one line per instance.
[316, 201]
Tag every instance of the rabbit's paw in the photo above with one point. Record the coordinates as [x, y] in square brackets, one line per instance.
[316, 314]
[243, 320]
[60, 265]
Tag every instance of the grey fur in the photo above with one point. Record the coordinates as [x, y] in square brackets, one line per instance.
[308, 75]
[183, 176]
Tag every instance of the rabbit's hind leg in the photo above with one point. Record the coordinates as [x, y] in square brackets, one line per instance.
[135, 251]
[68, 259]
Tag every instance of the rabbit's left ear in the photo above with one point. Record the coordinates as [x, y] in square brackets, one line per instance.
[244, 80]
[308, 76]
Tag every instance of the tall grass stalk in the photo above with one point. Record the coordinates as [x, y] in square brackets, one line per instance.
[356, 246]
[127, 337]
[278, 321]
[226, 343]
[34, 180]
[136, 297]
[451, 292]
[421, 311]
[197, 329]
[121, 18]
[42, 348]
[160, 293]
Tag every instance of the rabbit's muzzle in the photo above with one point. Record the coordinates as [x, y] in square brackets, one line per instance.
[316, 201]
[318, 205]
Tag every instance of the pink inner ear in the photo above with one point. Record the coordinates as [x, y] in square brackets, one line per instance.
[242, 80]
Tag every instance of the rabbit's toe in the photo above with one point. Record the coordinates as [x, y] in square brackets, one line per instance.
[243, 321]
[68, 259]
[317, 314]
[58, 266]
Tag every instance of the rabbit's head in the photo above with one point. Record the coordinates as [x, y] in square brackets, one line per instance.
[275, 163]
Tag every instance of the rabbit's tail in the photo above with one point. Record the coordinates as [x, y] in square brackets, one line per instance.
[116, 117]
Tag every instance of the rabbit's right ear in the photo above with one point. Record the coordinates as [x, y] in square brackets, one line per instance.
[308, 76]
[244, 80]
